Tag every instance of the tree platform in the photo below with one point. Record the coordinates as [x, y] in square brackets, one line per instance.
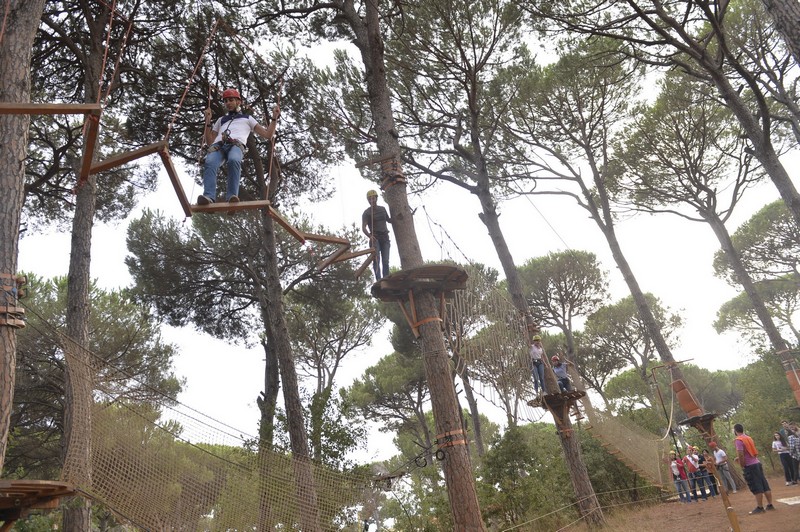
[18, 497]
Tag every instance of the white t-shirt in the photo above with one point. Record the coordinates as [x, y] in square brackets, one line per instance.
[720, 456]
[239, 127]
[779, 446]
[536, 352]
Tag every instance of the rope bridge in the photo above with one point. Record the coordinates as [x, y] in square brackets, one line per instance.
[489, 342]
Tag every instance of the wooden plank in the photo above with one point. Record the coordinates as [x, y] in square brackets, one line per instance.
[332, 258]
[89, 144]
[223, 207]
[354, 254]
[9, 108]
[327, 239]
[176, 182]
[363, 267]
[124, 158]
[299, 235]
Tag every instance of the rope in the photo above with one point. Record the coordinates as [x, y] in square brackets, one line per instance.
[547, 222]
[191, 80]
[273, 141]
[123, 45]
[109, 26]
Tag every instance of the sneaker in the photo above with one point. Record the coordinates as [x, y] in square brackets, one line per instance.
[770, 507]
[758, 510]
[788, 483]
[204, 200]
[233, 199]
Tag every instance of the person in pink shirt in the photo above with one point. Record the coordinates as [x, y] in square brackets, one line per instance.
[747, 457]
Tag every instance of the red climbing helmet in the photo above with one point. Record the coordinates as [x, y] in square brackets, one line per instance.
[231, 93]
[554, 358]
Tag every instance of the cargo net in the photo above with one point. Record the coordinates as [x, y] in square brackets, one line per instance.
[489, 344]
[177, 469]
[642, 451]
[162, 465]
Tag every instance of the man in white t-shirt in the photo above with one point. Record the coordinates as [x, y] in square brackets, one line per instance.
[723, 467]
[227, 140]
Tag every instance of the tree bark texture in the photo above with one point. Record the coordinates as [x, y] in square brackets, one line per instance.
[77, 468]
[79, 375]
[456, 466]
[279, 343]
[786, 15]
[15, 84]
[305, 487]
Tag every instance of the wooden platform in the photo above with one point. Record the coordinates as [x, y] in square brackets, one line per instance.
[563, 397]
[18, 497]
[435, 278]
[556, 398]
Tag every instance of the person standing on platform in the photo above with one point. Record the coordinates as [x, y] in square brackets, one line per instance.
[537, 361]
[373, 223]
[227, 142]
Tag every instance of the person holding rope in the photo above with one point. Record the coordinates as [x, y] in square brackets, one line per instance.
[373, 223]
[227, 141]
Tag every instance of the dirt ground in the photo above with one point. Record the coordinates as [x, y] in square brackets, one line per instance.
[710, 516]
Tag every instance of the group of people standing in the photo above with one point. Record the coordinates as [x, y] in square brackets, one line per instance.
[690, 473]
[786, 443]
[691, 476]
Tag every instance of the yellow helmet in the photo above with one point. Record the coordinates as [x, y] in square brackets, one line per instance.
[537, 338]
[372, 193]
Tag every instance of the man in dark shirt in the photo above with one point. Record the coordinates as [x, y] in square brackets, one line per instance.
[373, 223]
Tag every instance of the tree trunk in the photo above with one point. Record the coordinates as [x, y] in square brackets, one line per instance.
[77, 441]
[268, 401]
[472, 403]
[15, 86]
[305, 487]
[786, 15]
[743, 277]
[77, 466]
[457, 466]
[279, 342]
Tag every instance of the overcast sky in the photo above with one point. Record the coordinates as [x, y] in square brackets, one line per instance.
[671, 258]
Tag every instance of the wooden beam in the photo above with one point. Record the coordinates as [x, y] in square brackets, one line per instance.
[89, 143]
[354, 254]
[299, 235]
[218, 207]
[8, 108]
[128, 156]
[176, 182]
[363, 267]
[332, 258]
[327, 239]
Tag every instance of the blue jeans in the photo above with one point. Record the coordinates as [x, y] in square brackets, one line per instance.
[538, 376]
[214, 159]
[381, 254]
[683, 489]
[696, 480]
